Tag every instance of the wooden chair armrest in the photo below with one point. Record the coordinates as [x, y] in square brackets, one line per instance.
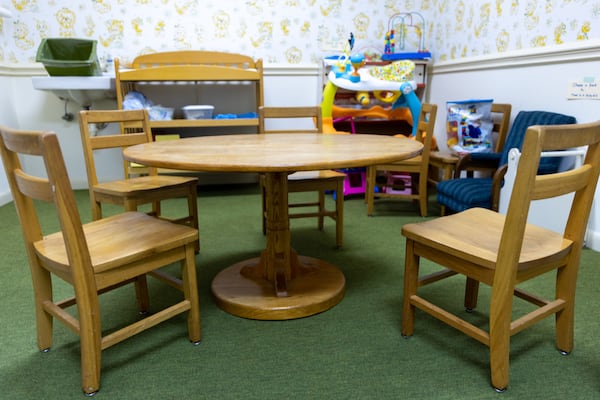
[463, 161]
[473, 162]
[497, 180]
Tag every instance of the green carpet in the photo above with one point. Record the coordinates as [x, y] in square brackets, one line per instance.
[353, 351]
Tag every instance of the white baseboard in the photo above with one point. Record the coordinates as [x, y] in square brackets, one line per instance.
[592, 240]
[5, 198]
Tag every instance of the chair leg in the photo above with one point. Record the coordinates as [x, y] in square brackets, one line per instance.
[96, 208]
[370, 193]
[566, 279]
[193, 211]
[367, 186]
[499, 360]
[321, 195]
[499, 330]
[90, 342]
[264, 207]
[42, 281]
[141, 293]
[156, 209]
[130, 205]
[339, 214]
[190, 291]
[411, 278]
[422, 193]
[471, 292]
[447, 174]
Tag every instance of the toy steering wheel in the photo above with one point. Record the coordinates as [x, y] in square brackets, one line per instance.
[387, 96]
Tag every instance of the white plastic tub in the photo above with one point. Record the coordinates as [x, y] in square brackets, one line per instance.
[198, 111]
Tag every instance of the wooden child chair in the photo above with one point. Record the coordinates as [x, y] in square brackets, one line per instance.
[308, 181]
[132, 191]
[504, 251]
[93, 258]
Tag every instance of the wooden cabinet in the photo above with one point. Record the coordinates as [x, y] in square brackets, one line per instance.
[232, 83]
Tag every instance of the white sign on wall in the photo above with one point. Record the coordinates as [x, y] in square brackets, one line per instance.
[586, 88]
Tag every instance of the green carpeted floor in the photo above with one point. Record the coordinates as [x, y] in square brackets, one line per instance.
[353, 351]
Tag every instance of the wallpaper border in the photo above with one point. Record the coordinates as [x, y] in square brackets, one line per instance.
[568, 53]
[573, 52]
[273, 69]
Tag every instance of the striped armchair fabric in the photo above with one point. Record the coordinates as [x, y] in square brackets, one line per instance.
[460, 194]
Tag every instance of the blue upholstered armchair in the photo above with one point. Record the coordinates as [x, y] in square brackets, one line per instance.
[459, 194]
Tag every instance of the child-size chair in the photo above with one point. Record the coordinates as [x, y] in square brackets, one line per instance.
[461, 193]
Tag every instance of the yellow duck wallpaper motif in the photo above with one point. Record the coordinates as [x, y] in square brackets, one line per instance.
[294, 31]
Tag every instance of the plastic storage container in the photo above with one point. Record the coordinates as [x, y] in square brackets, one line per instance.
[160, 113]
[198, 112]
[69, 57]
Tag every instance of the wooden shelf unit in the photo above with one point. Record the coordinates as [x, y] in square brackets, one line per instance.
[177, 72]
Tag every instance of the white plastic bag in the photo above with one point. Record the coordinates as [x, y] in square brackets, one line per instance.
[469, 126]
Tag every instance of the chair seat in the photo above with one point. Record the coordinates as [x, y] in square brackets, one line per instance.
[443, 162]
[142, 184]
[461, 194]
[443, 158]
[411, 162]
[481, 230]
[309, 175]
[418, 160]
[109, 240]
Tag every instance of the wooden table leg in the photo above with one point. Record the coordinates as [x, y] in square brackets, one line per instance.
[279, 284]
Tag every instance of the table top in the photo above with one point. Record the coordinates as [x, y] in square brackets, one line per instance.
[273, 152]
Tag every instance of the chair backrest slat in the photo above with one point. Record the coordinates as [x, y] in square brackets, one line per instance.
[34, 187]
[313, 112]
[112, 141]
[547, 186]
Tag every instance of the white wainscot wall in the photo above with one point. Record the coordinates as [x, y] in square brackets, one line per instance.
[529, 80]
[27, 108]
[535, 79]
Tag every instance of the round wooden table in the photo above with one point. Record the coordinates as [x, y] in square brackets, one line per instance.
[279, 284]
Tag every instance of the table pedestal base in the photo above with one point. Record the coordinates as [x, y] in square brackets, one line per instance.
[254, 298]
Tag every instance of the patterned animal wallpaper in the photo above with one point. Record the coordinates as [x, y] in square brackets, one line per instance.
[295, 31]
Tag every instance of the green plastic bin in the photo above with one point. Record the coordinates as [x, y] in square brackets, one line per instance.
[69, 57]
